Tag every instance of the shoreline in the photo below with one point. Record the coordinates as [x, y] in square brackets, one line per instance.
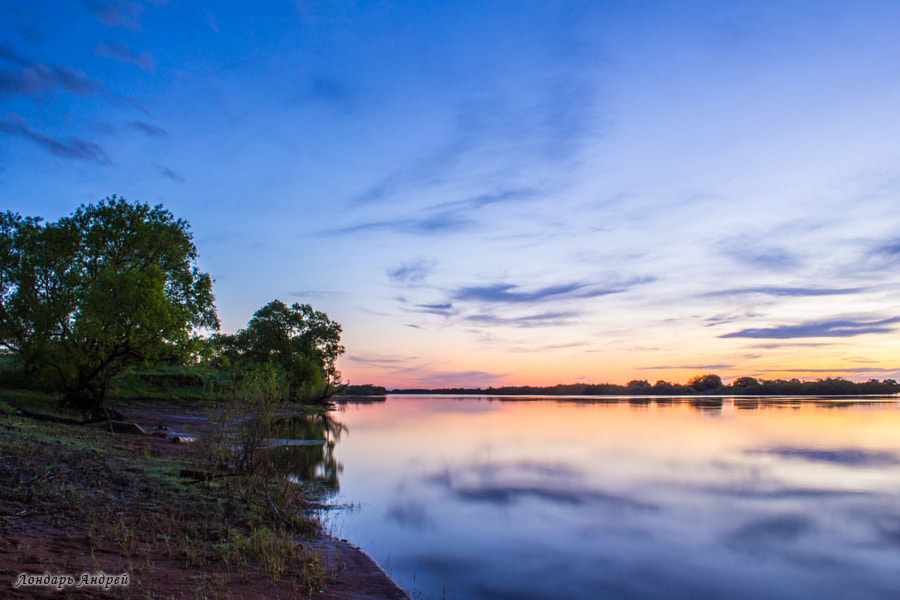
[118, 524]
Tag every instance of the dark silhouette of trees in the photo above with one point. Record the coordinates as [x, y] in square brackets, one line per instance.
[638, 386]
[113, 284]
[706, 383]
[744, 382]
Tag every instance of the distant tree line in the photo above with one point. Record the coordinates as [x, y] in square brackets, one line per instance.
[709, 384]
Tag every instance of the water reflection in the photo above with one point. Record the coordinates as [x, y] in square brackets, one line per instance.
[627, 497]
[309, 462]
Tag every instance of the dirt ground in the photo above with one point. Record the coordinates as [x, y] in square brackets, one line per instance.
[37, 538]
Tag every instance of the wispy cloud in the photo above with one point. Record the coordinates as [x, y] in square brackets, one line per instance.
[786, 291]
[884, 253]
[444, 310]
[534, 320]
[774, 345]
[547, 125]
[411, 273]
[712, 366]
[508, 293]
[167, 172]
[425, 169]
[428, 225]
[487, 199]
[34, 79]
[122, 53]
[835, 370]
[313, 294]
[378, 361]
[450, 379]
[767, 257]
[71, 148]
[413, 372]
[831, 328]
[147, 128]
[116, 13]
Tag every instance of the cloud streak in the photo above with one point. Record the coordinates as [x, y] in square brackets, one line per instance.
[33, 79]
[116, 13]
[830, 328]
[69, 148]
[508, 293]
[429, 225]
[167, 172]
[544, 319]
[785, 291]
[413, 272]
[769, 258]
[147, 128]
[122, 53]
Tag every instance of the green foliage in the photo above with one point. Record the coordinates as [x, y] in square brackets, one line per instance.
[301, 344]
[111, 285]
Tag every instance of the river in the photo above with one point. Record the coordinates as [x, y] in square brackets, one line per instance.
[493, 497]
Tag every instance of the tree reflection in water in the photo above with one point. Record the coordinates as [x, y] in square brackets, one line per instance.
[312, 462]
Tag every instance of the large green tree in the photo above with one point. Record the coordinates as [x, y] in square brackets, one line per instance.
[302, 343]
[111, 285]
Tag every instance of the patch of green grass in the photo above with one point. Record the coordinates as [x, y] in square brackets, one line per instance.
[174, 383]
[37, 401]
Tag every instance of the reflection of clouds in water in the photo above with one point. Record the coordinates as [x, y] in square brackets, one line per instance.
[507, 494]
[773, 491]
[410, 514]
[749, 513]
[444, 565]
[854, 457]
[505, 483]
[887, 527]
[780, 528]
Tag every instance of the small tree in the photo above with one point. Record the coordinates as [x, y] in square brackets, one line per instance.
[111, 285]
[638, 386]
[706, 383]
[304, 344]
[745, 382]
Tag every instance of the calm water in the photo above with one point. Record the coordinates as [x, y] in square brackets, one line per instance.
[467, 498]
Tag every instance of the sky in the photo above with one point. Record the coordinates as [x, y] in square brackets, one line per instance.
[493, 193]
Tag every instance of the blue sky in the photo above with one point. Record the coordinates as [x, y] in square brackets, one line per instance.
[488, 193]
